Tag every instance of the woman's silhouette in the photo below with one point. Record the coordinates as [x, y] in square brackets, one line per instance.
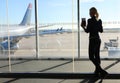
[94, 26]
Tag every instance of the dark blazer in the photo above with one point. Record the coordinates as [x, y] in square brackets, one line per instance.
[94, 27]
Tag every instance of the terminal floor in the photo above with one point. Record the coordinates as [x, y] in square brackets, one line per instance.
[81, 66]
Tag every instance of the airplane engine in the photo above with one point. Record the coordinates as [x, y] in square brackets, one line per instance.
[13, 48]
[29, 32]
[4, 47]
[32, 30]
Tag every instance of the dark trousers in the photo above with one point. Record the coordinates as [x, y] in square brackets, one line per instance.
[94, 51]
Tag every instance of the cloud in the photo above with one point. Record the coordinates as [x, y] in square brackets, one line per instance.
[85, 1]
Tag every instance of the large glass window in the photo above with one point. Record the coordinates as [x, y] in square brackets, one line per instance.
[58, 36]
[58, 32]
[57, 29]
[16, 29]
[110, 19]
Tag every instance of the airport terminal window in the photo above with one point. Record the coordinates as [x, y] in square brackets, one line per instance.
[17, 31]
[110, 21]
[58, 38]
[58, 35]
[57, 31]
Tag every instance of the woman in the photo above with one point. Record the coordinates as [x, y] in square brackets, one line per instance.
[93, 27]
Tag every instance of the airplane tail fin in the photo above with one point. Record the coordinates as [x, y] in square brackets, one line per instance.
[27, 17]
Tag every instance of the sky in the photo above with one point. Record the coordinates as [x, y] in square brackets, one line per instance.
[59, 11]
[49, 11]
[109, 10]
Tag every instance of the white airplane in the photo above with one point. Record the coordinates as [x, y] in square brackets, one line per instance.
[12, 34]
[54, 31]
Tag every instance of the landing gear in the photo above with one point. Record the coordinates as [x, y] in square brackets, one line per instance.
[2, 50]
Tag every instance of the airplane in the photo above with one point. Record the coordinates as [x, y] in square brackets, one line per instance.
[10, 36]
[54, 31]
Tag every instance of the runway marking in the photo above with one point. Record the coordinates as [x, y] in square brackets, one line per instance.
[58, 41]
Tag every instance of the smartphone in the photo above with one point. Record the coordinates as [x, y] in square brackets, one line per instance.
[84, 21]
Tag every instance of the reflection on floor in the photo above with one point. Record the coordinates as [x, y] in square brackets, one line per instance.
[60, 66]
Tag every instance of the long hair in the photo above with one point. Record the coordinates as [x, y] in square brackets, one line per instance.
[93, 11]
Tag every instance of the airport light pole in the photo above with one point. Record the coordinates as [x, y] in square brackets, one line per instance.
[36, 29]
[78, 12]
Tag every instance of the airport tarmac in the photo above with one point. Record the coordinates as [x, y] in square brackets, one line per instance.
[60, 45]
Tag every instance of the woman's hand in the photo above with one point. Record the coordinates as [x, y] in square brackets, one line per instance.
[83, 25]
